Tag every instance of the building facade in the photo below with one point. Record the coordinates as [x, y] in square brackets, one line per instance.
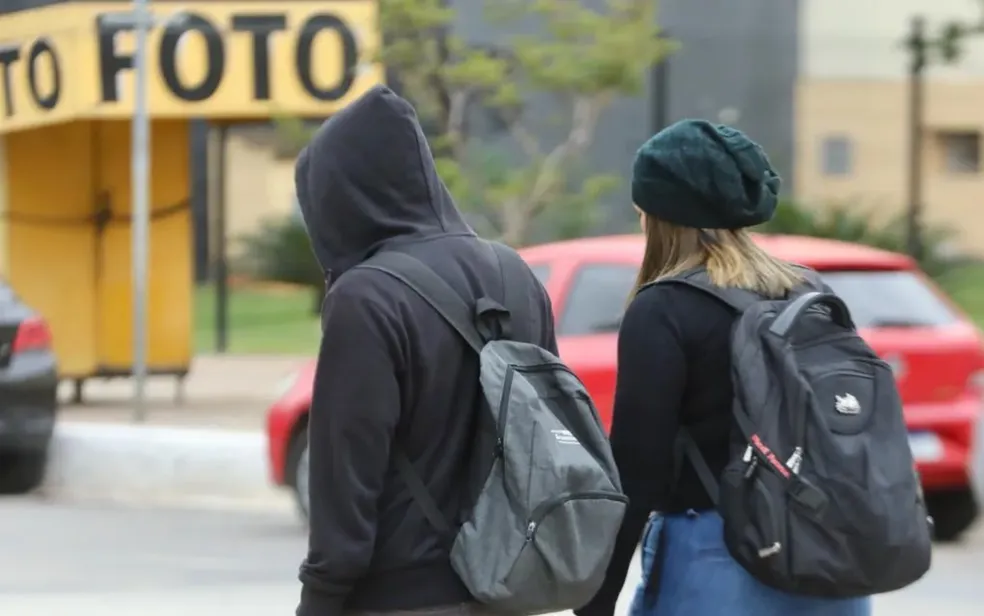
[852, 113]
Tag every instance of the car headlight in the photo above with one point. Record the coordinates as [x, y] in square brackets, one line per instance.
[286, 384]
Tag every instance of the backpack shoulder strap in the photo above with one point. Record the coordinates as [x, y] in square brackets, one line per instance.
[738, 300]
[432, 289]
[684, 446]
[512, 269]
[453, 309]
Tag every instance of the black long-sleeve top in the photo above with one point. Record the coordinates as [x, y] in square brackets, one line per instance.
[674, 368]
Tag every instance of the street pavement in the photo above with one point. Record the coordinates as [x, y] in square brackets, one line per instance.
[58, 559]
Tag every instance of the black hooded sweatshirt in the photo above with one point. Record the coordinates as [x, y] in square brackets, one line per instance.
[390, 371]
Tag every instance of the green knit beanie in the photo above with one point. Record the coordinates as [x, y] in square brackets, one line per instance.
[706, 176]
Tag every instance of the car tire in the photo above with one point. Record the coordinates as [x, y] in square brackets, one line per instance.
[21, 473]
[297, 472]
[953, 513]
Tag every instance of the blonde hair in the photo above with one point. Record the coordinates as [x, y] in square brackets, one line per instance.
[731, 257]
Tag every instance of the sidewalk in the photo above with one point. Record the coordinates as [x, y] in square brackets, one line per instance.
[210, 448]
[227, 392]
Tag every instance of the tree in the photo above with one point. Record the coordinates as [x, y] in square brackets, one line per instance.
[954, 35]
[578, 57]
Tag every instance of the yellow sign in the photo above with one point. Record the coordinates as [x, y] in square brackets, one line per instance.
[236, 60]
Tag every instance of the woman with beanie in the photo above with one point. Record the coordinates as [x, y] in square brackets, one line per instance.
[696, 187]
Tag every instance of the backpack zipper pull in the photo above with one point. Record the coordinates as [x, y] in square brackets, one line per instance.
[771, 550]
[795, 460]
[752, 462]
[530, 530]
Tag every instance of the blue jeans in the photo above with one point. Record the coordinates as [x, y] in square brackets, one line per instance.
[699, 577]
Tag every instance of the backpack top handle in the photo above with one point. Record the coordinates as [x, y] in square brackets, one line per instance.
[788, 317]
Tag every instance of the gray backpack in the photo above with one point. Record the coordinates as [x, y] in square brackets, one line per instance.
[541, 529]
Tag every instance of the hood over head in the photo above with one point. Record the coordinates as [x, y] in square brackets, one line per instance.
[368, 177]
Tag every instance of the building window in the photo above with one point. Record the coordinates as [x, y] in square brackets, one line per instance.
[961, 151]
[836, 155]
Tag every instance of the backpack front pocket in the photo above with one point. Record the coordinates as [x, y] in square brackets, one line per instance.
[549, 547]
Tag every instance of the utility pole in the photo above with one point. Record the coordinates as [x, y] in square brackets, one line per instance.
[946, 47]
[918, 51]
[141, 19]
[219, 135]
[140, 215]
[660, 91]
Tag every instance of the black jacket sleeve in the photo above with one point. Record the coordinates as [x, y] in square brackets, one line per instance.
[354, 412]
[645, 418]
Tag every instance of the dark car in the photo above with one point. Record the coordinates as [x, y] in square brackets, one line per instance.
[28, 394]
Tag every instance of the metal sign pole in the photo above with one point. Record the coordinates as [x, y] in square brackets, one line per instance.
[140, 209]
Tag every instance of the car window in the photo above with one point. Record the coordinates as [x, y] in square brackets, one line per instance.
[597, 299]
[542, 272]
[889, 299]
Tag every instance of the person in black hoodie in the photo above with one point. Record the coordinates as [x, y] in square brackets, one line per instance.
[391, 373]
[697, 187]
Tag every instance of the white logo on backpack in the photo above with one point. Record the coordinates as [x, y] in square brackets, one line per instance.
[847, 404]
[564, 437]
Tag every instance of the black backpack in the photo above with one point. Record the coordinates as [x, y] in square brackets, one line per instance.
[821, 496]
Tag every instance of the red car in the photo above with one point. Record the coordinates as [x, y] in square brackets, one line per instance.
[933, 347]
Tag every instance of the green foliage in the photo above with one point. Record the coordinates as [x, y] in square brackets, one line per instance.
[292, 134]
[849, 223]
[964, 283]
[575, 213]
[948, 44]
[493, 179]
[580, 57]
[280, 250]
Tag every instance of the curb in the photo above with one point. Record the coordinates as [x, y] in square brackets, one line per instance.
[157, 465]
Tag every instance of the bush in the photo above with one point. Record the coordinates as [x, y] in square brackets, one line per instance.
[281, 251]
[849, 223]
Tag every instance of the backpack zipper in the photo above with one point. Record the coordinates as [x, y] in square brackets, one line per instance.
[500, 429]
[546, 507]
[794, 463]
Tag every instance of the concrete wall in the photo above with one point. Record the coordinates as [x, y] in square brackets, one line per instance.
[734, 57]
[862, 39]
[259, 184]
[740, 57]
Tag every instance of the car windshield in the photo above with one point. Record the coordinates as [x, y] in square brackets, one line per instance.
[889, 299]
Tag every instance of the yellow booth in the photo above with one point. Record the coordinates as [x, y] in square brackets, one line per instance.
[66, 98]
